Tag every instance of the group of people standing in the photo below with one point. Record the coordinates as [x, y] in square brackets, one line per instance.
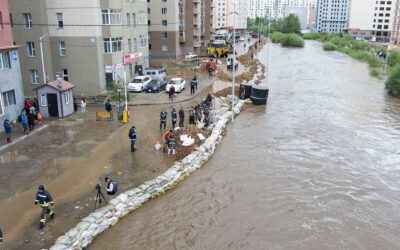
[29, 117]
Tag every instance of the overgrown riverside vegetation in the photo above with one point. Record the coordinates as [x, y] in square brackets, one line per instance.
[363, 51]
[285, 31]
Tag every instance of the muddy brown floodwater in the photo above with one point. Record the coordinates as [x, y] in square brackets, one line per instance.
[319, 168]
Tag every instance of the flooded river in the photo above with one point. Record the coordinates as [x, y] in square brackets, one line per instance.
[319, 168]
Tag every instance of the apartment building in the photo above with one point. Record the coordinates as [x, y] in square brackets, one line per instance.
[83, 41]
[177, 27]
[257, 8]
[372, 19]
[224, 14]
[333, 15]
[396, 24]
[11, 90]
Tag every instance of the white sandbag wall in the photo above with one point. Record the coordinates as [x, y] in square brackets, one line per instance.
[82, 234]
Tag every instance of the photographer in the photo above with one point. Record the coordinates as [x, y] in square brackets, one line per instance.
[111, 186]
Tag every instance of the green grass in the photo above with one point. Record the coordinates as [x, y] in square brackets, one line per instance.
[392, 83]
[377, 73]
[329, 46]
[276, 37]
[312, 36]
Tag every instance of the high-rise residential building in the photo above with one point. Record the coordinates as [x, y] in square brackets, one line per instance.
[333, 15]
[223, 16]
[396, 24]
[257, 8]
[11, 90]
[83, 41]
[371, 19]
[178, 26]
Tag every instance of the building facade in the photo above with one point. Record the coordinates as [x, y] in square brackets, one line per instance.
[396, 24]
[333, 16]
[177, 27]
[84, 41]
[11, 89]
[257, 8]
[372, 20]
[223, 16]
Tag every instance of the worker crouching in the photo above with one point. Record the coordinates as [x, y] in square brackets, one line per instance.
[45, 201]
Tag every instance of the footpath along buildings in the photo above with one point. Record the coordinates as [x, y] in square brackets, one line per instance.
[83, 41]
[11, 90]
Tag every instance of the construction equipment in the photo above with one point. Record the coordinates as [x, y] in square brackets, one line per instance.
[219, 48]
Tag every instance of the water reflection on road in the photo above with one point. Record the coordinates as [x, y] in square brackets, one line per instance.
[318, 168]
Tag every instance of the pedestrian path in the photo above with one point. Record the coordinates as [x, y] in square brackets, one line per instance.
[18, 135]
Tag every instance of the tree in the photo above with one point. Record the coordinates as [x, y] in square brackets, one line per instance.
[291, 24]
[392, 84]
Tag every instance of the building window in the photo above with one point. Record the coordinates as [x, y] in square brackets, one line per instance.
[164, 35]
[164, 23]
[60, 20]
[148, 11]
[5, 61]
[143, 17]
[34, 76]
[66, 97]
[134, 19]
[1, 21]
[63, 50]
[143, 41]
[11, 21]
[9, 98]
[134, 49]
[1, 106]
[30, 49]
[43, 100]
[164, 11]
[130, 45]
[27, 20]
[65, 74]
[128, 19]
[111, 16]
[112, 44]
[164, 47]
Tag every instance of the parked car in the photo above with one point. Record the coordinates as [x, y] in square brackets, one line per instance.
[229, 63]
[190, 56]
[139, 83]
[179, 84]
[156, 86]
[156, 73]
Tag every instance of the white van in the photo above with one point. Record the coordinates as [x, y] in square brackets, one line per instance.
[156, 73]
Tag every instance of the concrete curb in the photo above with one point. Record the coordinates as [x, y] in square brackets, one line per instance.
[24, 137]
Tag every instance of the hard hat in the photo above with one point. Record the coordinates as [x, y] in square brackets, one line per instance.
[41, 187]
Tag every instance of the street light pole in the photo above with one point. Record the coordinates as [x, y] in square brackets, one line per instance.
[42, 57]
[234, 60]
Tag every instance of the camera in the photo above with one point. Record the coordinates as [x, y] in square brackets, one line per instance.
[98, 186]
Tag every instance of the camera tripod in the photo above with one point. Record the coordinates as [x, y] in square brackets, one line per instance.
[99, 197]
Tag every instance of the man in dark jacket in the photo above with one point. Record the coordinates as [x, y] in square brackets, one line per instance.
[191, 115]
[31, 120]
[181, 117]
[8, 130]
[108, 105]
[174, 117]
[163, 119]
[192, 86]
[132, 136]
[45, 201]
[111, 186]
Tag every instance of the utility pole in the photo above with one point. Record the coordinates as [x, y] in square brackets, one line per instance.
[42, 57]
[234, 59]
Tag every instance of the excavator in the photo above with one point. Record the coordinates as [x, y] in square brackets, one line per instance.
[219, 49]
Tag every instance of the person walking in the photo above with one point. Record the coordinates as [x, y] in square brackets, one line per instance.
[171, 92]
[108, 106]
[24, 122]
[45, 201]
[192, 86]
[132, 136]
[210, 72]
[181, 117]
[83, 106]
[191, 115]
[171, 145]
[174, 117]
[195, 81]
[31, 120]
[8, 129]
[163, 119]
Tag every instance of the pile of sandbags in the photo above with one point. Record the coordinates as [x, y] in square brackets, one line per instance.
[82, 234]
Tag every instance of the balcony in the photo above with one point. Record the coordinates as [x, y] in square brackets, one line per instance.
[196, 44]
[196, 32]
[196, 22]
[182, 39]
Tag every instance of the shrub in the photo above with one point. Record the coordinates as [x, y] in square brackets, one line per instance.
[394, 58]
[360, 45]
[328, 46]
[338, 41]
[373, 61]
[392, 84]
[359, 55]
[376, 72]
[276, 37]
[312, 36]
[292, 40]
